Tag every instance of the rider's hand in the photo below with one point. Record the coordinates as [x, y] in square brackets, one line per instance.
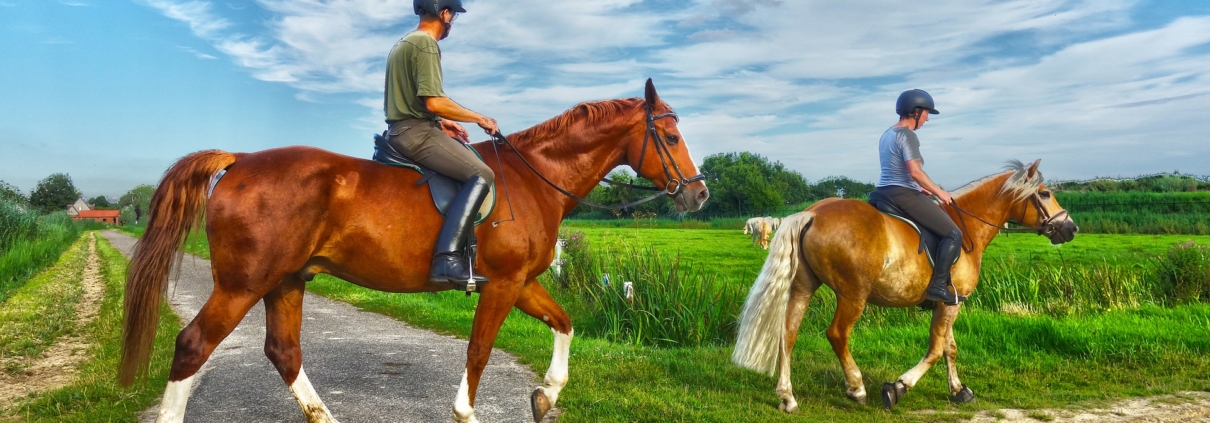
[488, 125]
[455, 131]
[945, 197]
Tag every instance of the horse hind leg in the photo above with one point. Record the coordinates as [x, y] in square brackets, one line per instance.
[536, 302]
[847, 313]
[940, 332]
[194, 344]
[801, 292]
[283, 327]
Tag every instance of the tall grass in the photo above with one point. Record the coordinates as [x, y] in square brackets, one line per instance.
[30, 243]
[1139, 212]
[668, 304]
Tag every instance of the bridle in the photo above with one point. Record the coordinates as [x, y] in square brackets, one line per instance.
[674, 187]
[1048, 226]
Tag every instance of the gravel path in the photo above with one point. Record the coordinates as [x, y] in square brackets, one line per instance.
[365, 366]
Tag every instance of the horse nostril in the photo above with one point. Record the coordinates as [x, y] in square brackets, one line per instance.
[704, 194]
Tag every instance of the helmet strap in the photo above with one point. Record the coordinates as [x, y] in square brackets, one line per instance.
[916, 115]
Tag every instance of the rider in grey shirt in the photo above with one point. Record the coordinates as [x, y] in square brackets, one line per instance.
[904, 181]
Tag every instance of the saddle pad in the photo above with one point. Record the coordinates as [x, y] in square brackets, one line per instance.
[442, 188]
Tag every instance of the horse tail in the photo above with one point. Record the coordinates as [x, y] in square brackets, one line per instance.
[762, 324]
[176, 209]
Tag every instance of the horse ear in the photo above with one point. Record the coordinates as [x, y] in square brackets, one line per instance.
[652, 97]
[1033, 169]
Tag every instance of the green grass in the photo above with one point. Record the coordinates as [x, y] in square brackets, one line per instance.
[93, 396]
[44, 309]
[28, 251]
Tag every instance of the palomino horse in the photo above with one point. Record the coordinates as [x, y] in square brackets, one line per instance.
[279, 217]
[865, 257]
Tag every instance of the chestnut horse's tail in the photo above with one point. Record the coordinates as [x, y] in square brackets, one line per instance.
[762, 324]
[176, 208]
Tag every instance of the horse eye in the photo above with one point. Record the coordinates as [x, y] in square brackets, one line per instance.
[672, 139]
[1045, 195]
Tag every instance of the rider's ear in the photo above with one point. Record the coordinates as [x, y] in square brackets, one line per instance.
[652, 97]
[1033, 169]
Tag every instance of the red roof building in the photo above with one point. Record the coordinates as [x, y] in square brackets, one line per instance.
[104, 216]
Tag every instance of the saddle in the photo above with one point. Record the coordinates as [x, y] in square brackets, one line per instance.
[928, 239]
[442, 188]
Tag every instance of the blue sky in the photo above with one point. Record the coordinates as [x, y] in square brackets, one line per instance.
[112, 92]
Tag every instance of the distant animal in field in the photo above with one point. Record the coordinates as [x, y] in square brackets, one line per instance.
[763, 231]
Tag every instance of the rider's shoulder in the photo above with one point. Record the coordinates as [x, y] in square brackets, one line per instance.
[420, 40]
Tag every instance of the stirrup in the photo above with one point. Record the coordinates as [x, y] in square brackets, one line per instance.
[950, 289]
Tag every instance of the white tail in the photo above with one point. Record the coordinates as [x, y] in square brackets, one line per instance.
[762, 324]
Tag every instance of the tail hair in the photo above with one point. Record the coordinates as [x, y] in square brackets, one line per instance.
[762, 323]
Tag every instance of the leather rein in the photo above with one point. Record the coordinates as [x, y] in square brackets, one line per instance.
[674, 187]
[1046, 227]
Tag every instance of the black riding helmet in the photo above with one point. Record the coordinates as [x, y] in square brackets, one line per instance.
[911, 99]
[434, 7]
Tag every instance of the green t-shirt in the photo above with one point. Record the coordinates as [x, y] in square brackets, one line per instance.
[413, 72]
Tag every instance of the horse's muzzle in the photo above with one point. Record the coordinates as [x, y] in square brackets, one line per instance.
[1060, 230]
[691, 198]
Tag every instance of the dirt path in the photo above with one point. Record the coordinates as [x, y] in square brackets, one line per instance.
[56, 366]
[1181, 407]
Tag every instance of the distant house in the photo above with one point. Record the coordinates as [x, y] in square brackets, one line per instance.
[112, 217]
[77, 207]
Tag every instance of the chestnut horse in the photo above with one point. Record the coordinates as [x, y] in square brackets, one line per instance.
[865, 256]
[279, 217]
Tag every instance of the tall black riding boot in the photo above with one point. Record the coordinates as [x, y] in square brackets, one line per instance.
[940, 288]
[449, 261]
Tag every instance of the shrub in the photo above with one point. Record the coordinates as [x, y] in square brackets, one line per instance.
[1183, 273]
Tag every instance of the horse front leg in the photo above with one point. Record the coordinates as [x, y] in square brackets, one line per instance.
[536, 302]
[959, 393]
[939, 340]
[496, 299]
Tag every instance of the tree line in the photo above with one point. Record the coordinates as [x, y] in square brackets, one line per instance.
[741, 184]
[1159, 182]
[57, 191]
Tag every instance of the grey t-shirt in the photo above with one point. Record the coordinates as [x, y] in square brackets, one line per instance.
[897, 146]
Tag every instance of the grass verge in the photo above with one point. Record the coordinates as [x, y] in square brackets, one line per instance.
[94, 396]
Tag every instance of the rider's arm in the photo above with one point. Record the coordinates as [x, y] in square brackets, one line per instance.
[916, 169]
[448, 109]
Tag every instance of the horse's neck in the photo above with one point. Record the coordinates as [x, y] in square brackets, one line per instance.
[988, 203]
[576, 161]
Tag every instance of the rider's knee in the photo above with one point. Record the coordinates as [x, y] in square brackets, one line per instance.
[487, 174]
[955, 235]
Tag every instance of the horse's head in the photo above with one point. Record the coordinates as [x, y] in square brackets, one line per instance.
[661, 155]
[1037, 207]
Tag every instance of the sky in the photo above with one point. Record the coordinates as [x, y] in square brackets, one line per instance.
[112, 92]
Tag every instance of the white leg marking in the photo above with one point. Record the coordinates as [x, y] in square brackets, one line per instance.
[556, 375]
[312, 406]
[176, 395]
[463, 412]
[912, 376]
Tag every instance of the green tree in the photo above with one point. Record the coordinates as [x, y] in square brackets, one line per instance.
[747, 184]
[12, 194]
[139, 201]
[840, 186]
[54, 193]
[100, 203]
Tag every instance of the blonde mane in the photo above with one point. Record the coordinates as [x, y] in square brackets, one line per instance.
[1019, 185]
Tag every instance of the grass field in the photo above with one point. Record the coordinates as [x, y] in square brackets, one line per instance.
[1017, 361]
[48, 304]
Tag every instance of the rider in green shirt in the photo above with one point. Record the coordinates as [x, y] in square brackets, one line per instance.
[423, 126]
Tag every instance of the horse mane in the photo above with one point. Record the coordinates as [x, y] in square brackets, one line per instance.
[1019, 184]
[591, 113]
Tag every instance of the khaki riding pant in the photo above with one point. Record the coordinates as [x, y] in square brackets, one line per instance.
[423, 141]
[922, 209]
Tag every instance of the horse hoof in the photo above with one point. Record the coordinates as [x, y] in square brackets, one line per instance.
[539, 404]
[963, 396]
[891, 393]
[860, 400]
[788, 406]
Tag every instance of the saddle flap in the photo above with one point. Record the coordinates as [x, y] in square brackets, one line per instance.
[928, 239]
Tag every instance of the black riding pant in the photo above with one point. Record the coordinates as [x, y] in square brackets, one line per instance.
[923, 210]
